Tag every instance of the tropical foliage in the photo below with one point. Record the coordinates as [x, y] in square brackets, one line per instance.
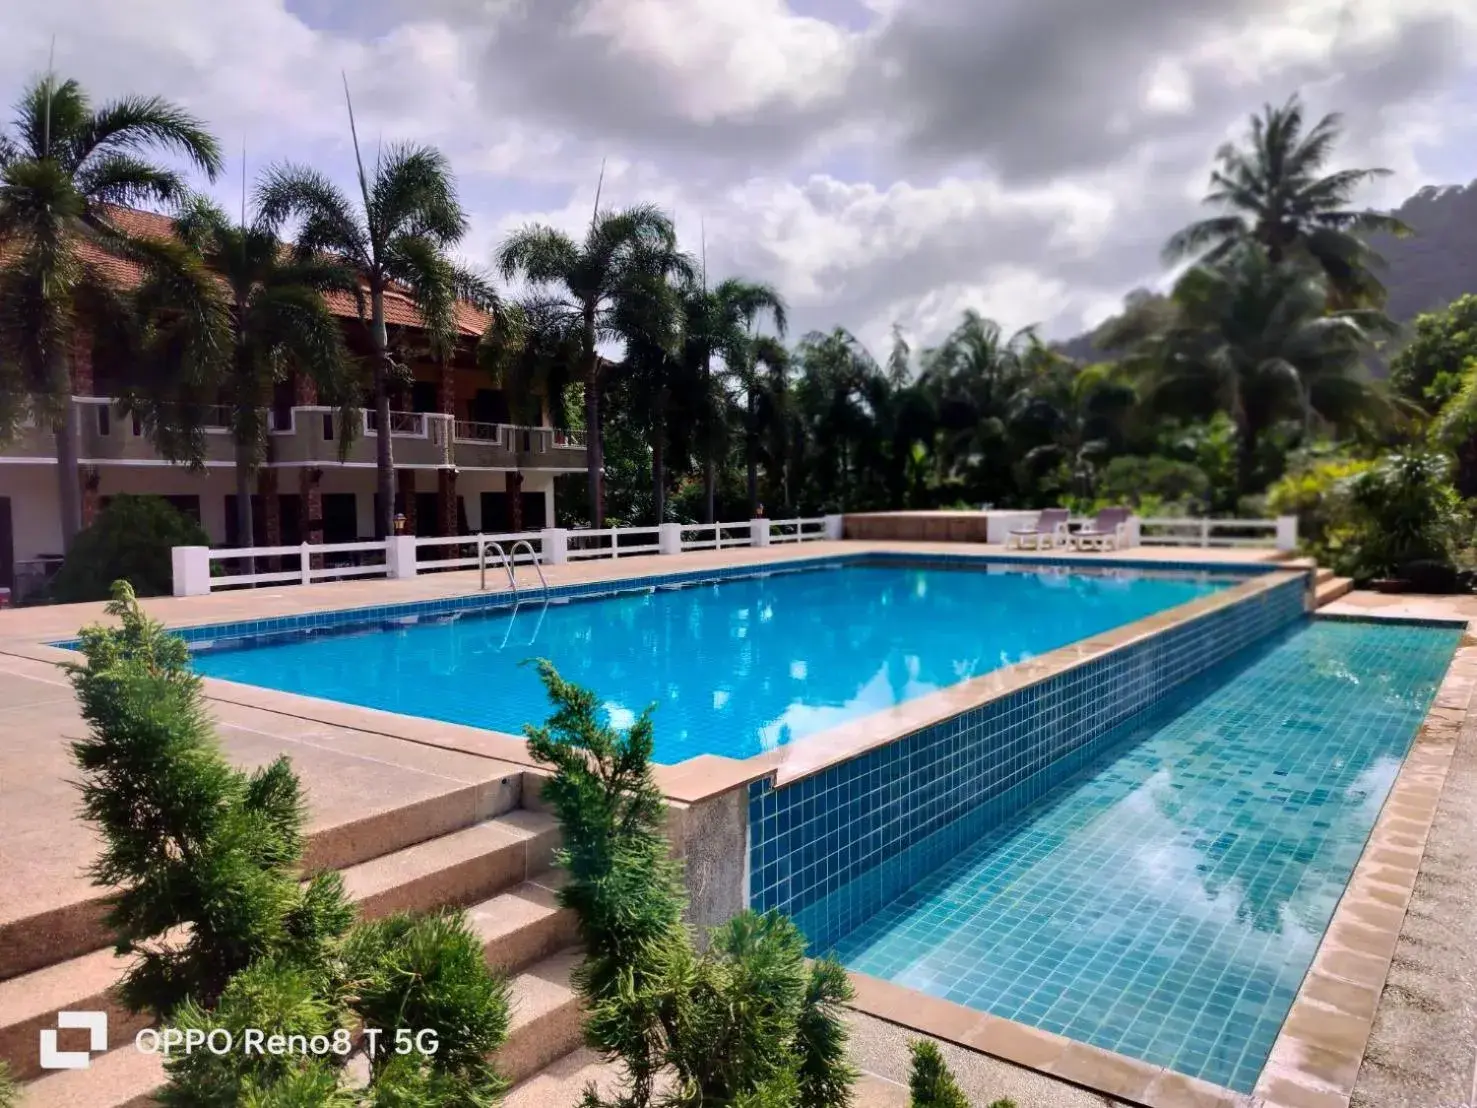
[204, 866]
[1201, 397]
[744, 1021]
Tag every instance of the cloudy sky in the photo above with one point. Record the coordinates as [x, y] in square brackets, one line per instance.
[878, 160]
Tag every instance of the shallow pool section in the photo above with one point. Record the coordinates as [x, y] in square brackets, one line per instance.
[734, 667]
[1165, 900]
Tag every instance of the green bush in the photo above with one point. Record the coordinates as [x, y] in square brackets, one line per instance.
[745, 1022]
[1159, 482]
[8, 1091]
[1402, 512]
[211, 902]
[1316, 490]
[130, 540]
[931, 1085]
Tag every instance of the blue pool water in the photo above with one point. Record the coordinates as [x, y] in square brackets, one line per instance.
[1166, 900]
[735, 667]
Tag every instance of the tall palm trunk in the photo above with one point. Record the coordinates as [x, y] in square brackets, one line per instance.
[658, 460]
[594, 449]
[384, 449]
[69, 479]
[245, 471]
[710, 464]
[751, 451]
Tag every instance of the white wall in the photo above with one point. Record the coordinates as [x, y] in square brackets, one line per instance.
[35, 515]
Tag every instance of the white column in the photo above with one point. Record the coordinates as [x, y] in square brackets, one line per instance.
[834, 528]
[1132, 530]
[555, 543]
[758, 532]
[191, 570]
[400, 556]
[1287, 532]
[669, 538]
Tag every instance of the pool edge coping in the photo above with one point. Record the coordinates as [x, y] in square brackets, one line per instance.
[1319, 1050]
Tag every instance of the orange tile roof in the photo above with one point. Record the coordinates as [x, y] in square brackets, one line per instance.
[399, 309]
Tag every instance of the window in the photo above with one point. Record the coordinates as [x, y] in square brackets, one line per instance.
[424, 397]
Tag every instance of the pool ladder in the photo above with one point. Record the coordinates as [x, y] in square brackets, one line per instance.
[506, 558]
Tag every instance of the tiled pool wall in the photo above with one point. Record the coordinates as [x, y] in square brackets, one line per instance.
[831, 849]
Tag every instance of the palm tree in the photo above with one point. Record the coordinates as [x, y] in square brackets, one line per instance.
[278, 322]
[837, 371]
[1082, 412]
[1253, 338]
[721, 322]
[587, 277]
[1274, 194]
[62, 165]
[407, 218]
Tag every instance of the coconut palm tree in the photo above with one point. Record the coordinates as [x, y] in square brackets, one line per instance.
[63, 165]
[1274, 193]
[396, 237]
[721, 322]
[277, 321]
[1253, 338]
[586, 277]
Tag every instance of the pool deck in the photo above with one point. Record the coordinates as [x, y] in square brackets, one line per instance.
[357, 764]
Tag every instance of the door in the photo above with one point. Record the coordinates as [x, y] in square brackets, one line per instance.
[340, 517]
[533, 511]
[494, 512]
[423, 396]
[490, 406]
[7, 546]
[427, 518]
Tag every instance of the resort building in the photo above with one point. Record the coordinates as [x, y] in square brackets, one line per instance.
[468, 456]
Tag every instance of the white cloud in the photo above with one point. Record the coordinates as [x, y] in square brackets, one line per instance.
[1023, 157]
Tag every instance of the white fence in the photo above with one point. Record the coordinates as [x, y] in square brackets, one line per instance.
[199, 569]
[1281, 532]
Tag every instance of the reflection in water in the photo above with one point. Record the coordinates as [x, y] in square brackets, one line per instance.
[734, 667]
[1166, 901]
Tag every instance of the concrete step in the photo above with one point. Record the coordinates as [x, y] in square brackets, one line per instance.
[1332, 590]
[32, 941]
[1323, 574]
[561, 1084]
[121, 1078]
[525, 924]
[546, 1019]
[456, 869]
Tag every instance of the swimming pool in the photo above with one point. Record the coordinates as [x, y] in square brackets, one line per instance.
[1165, 900]
[735, 666]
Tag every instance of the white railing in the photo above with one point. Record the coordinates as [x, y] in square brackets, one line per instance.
[199, 569]
[316, 562]
[1280, 533]
[606, 542]
[462, 549]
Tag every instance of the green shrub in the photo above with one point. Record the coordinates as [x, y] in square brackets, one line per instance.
[226, 934]
[130, 540]
[8, 1092]
[931, 1085]
[1155, 481]
[1316, 490]
[745, 1022]
[1402, 511]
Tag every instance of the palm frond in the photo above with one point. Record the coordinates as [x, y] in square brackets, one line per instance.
[128, 181]
[329, 223]
[135, 122]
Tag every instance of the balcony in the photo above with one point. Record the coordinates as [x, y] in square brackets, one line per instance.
[311, 436]
[506, 446]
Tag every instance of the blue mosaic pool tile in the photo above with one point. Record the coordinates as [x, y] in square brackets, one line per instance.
[852, 824]
[1166, 901]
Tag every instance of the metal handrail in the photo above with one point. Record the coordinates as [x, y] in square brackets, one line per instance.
[532, 557]
[502, 554]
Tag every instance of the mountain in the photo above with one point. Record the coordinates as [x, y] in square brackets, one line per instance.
[1425, 272]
